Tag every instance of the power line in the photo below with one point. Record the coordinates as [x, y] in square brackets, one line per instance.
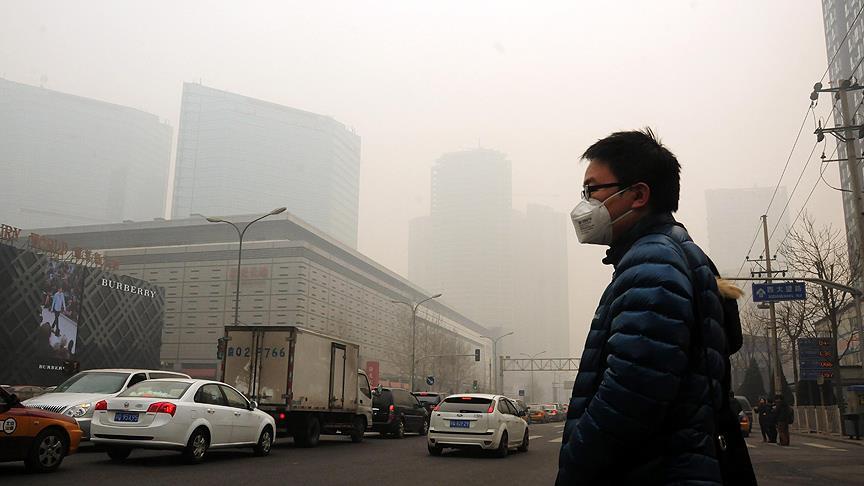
[840, 45]
[800, 176]
[804, 206]
[786, 206]
[786, 165]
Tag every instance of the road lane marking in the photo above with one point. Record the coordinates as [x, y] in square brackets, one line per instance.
[532, 437]
[751, 446]
[559, 426]
[823, 446]
[556, 440]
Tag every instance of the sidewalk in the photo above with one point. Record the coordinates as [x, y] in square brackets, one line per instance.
[843, 439]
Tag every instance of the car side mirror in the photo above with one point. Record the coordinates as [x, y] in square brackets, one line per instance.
[253, 405]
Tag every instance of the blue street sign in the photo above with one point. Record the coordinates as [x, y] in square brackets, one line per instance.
[815, 358]
[430, 380]
[779, 291]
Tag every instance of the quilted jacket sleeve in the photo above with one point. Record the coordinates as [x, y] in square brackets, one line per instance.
[649, 314]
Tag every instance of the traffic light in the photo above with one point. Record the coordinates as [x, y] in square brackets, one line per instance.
[477, 354]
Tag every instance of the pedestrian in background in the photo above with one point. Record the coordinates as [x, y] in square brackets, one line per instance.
[763, 410]
[649, 404]
[783, 416]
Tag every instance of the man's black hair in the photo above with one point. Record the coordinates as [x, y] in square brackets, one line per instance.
[638, 156]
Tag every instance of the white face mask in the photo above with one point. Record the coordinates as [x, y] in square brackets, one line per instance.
[592, 221]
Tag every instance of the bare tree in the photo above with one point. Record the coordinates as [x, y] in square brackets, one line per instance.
[821, 252]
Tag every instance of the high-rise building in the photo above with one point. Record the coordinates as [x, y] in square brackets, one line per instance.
[239, 155]
[540, 282]
[68, 160]
[465, 243]
[502, 267]
[838, 16]
[733, 223]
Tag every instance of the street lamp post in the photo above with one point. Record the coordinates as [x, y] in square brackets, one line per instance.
[242, 233]
[494, 358]
[531, 357]
[414, 329]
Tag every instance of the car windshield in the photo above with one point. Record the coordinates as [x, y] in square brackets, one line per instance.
[93, 382]
[465, 405]
[156, 389]
[745, 405]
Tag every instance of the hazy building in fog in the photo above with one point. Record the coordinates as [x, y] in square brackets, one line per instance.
[463, 247]
[239, 155]
[838, 17]
[505, 268]
[733, 217]
[68, 160]
[540, 283]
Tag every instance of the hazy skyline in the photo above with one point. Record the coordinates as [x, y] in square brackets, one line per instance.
[724, 84]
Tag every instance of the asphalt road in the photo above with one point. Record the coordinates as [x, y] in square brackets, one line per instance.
[379, 461]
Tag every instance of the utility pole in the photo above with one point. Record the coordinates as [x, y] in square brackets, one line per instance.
[857, 206]
[775, 345]
[846, 134]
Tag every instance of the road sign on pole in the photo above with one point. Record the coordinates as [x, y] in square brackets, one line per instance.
[430, 380]
[779, 291]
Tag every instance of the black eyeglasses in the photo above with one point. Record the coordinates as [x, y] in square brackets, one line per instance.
[587, 190]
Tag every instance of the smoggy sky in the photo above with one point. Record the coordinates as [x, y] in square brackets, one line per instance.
[724, 83]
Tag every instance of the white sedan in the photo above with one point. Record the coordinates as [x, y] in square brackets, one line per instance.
[491, 422]
[188, 415]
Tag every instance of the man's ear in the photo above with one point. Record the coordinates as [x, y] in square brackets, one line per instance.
[642, 194]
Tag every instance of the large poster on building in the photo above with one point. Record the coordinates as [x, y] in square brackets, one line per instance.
[56, 315]
[57, 330]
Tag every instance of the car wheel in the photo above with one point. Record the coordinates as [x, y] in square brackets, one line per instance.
[424, 429]
[196, 447]
[118, 454]
[503, 447]
[358, 429]
[310, 432]
[434, 450]
[265, 442]
[47, 451]
[524, 446]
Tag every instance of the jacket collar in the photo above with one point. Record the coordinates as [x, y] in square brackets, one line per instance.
[648, 224]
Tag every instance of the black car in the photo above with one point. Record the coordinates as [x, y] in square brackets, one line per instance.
[429, 399]
[395, 411]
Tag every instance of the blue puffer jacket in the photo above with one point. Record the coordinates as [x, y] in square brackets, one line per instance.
[641, 411]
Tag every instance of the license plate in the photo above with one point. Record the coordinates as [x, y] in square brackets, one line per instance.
[126, 417]
[460, 424]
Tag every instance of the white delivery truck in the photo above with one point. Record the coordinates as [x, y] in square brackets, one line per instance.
[309, 382]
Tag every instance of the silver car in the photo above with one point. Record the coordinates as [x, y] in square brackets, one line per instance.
[76, 396]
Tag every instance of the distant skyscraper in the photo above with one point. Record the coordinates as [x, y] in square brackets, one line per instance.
[733, 217]
[239, 155]
[466, 240]
[503, 268]
[67, 160]
[838, 16]
[540, 281]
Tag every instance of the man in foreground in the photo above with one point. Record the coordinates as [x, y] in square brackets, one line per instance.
[653, 376]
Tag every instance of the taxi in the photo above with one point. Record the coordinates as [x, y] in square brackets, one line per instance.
[41, 439]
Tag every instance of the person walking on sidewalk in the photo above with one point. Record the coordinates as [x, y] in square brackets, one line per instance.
[784, 416]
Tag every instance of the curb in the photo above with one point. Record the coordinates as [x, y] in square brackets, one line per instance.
[830, 438]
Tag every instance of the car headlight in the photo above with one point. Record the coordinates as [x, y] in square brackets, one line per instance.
[80, 410]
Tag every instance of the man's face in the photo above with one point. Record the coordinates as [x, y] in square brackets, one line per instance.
[597, 173]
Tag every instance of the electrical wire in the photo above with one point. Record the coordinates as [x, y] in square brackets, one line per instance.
[804, 206]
